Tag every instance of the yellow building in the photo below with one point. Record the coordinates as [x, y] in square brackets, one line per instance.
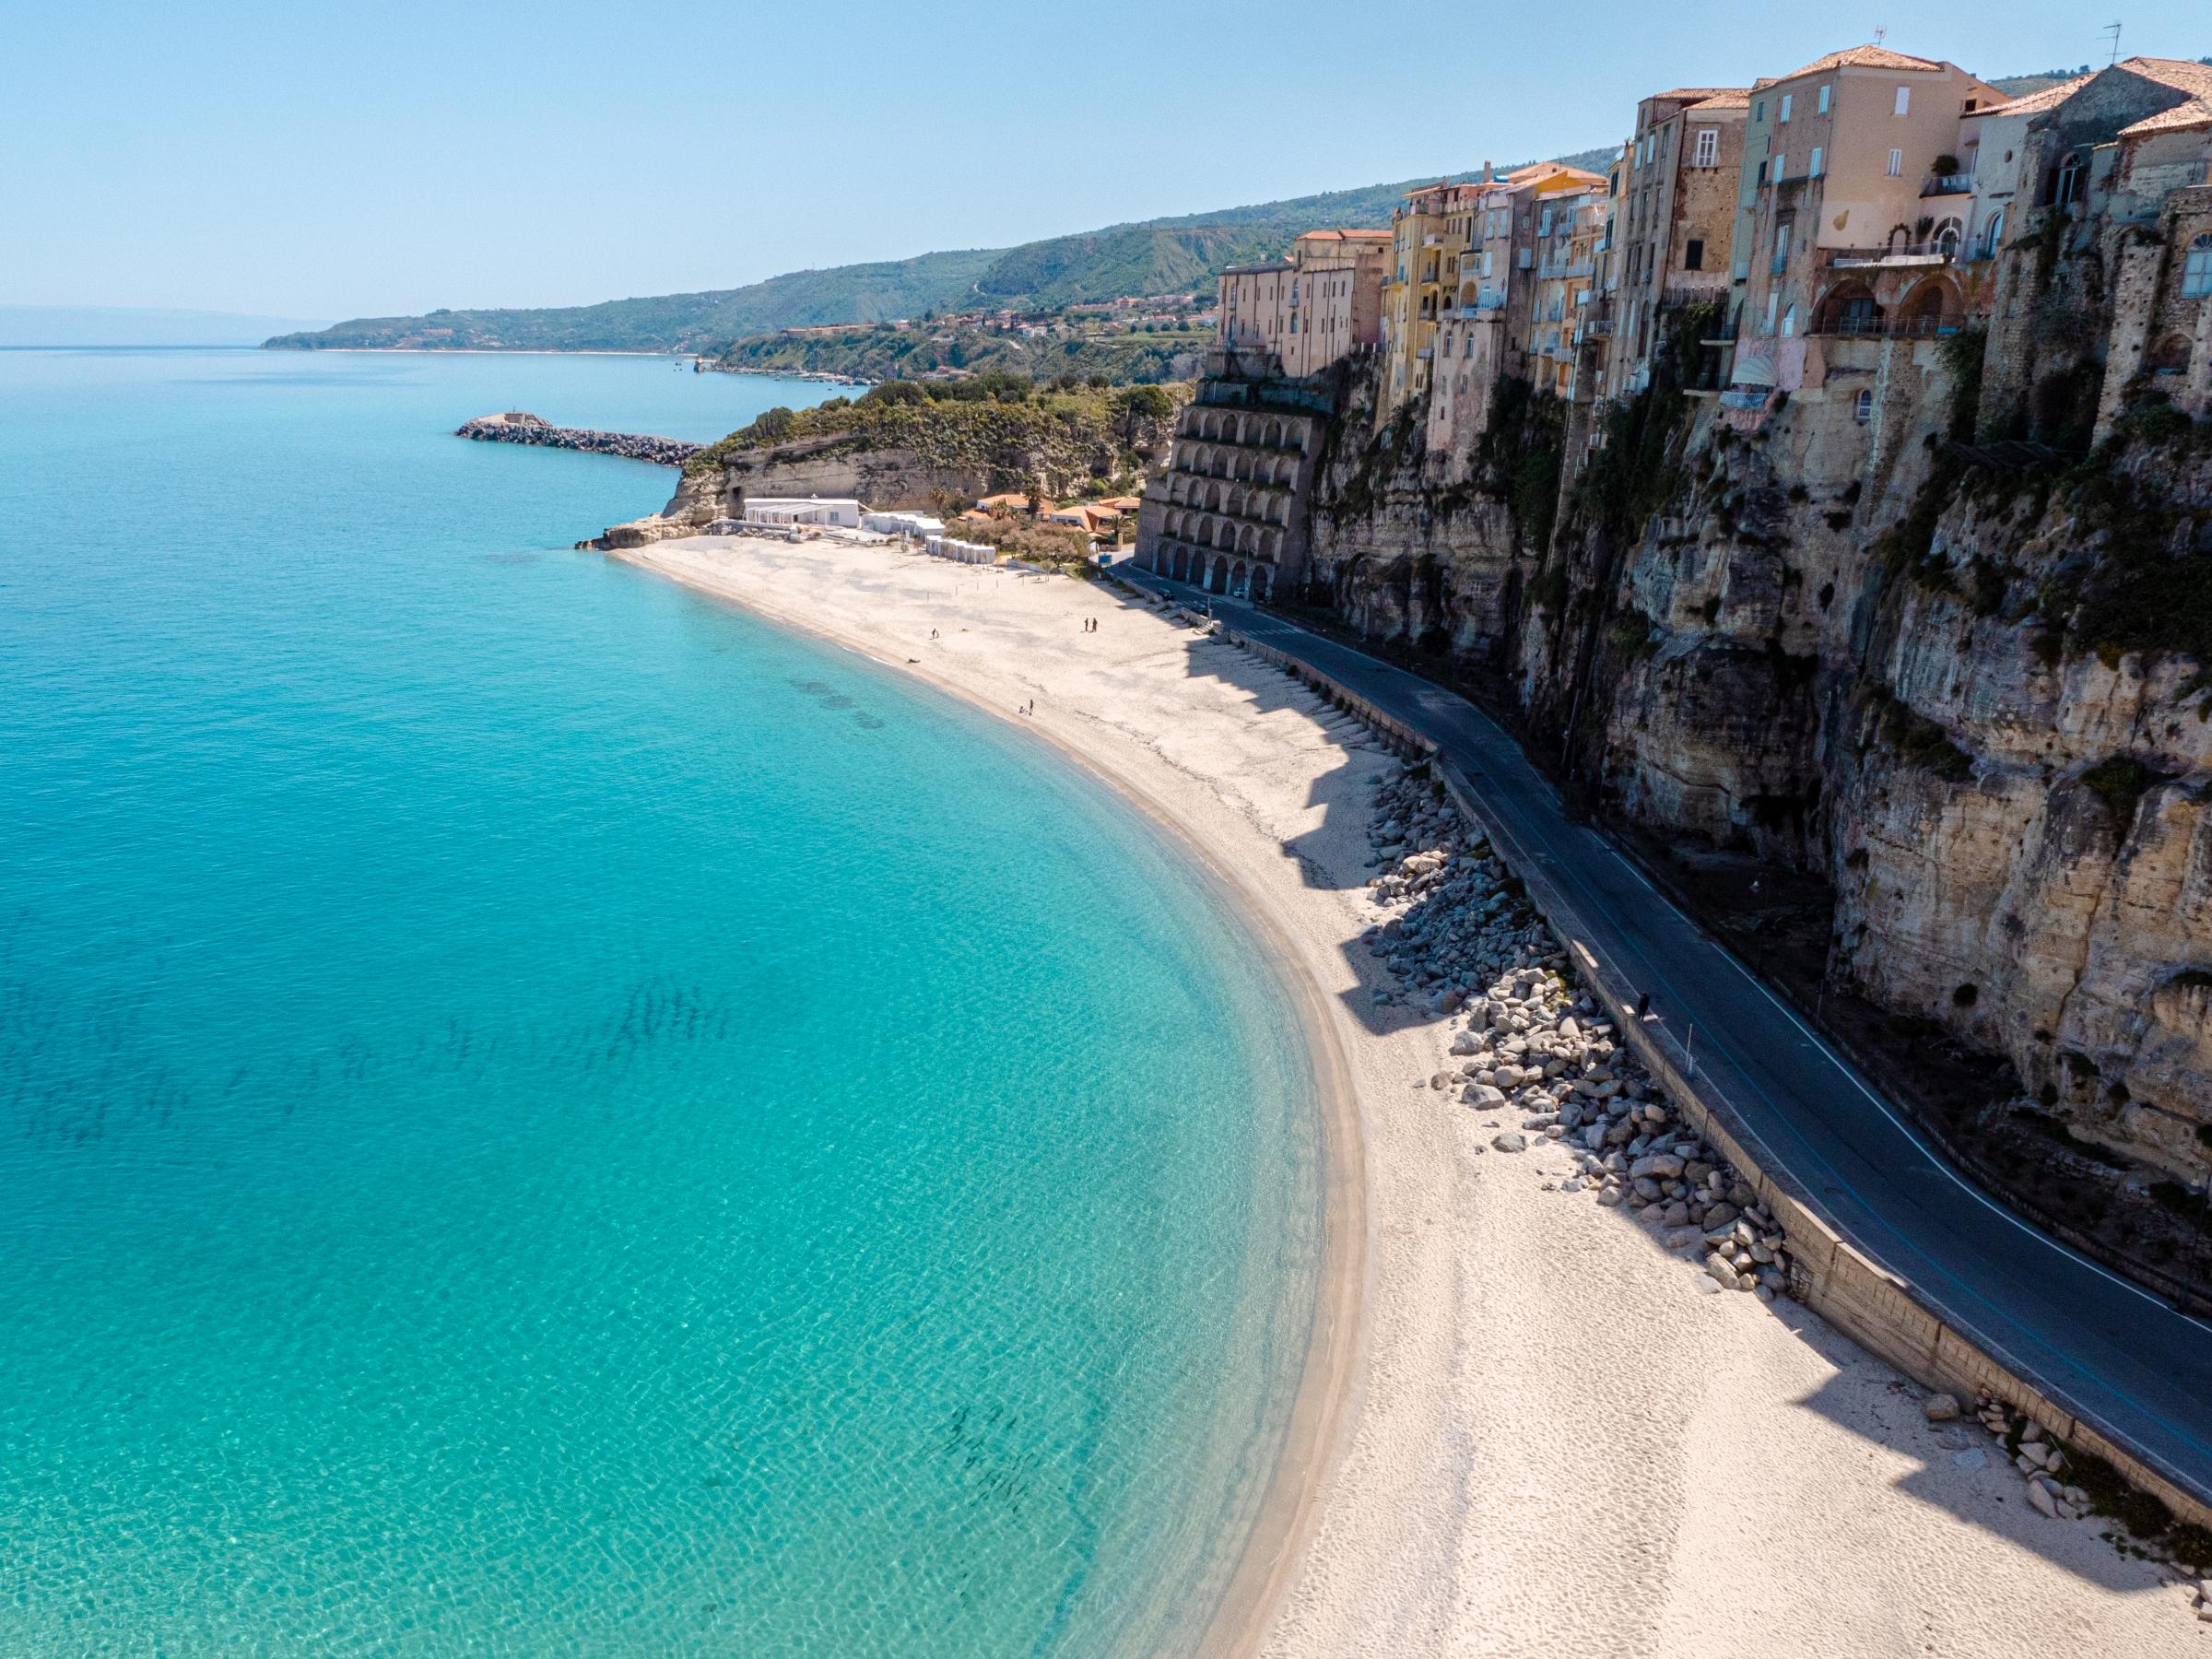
[1428, 235]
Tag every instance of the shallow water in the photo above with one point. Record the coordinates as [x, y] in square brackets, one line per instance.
[539, 1114]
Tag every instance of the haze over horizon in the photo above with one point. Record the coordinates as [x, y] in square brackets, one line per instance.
[252, 160]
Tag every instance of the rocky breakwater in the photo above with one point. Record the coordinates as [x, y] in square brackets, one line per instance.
[1536, 1057]
[516, 427]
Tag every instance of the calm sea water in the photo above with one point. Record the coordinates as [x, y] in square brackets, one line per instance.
[538, 1114]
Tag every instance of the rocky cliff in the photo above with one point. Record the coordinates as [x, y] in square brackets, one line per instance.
[1962, 687]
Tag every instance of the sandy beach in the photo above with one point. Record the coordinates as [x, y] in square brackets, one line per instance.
[1523, 1429]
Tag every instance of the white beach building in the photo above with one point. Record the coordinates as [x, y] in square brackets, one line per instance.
[919, 525]
[803, 510]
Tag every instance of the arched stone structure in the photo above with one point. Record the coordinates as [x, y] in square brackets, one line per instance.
[1849, 307]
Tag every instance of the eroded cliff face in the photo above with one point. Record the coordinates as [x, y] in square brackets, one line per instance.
[838, 466]
[1825, 636]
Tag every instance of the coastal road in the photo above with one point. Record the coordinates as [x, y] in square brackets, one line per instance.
[2114, 1353]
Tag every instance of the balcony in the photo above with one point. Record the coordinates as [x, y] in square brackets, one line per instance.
[1896, 255]
[1943, 184]
[1583, 267]
[1926, 326]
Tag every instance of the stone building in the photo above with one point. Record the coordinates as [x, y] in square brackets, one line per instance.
[2079, 194]
[1229, 514]
[1320, 304]
[1672, 222]
[1851, 209]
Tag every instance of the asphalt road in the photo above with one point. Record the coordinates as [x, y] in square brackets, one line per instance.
[2114, 1353]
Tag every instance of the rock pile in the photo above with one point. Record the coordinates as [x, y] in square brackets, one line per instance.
[2040, 1459]
[1466, 947]
[529, 428]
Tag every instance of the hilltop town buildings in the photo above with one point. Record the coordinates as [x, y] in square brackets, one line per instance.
[1802, 229]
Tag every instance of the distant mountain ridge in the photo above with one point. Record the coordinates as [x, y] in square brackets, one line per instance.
[1150, 256]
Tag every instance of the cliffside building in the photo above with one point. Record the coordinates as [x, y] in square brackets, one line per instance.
[1672, 222]
[1229, 513]
[1851, 209]
[1320, 304]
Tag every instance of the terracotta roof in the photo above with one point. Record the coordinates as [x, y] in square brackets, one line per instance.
[2035, 103]
[2181, 118]
[2180, 74]
[1722, 100]
[1345, 236]
[1864, 57]
[1697, 94]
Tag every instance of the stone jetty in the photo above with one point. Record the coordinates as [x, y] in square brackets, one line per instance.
[516, 427]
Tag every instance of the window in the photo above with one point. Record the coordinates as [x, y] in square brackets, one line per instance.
[1693, 254]
[1759, 110]
[1781, 166]
[1904, 100]
[1813, 171]
[1897, 163]
[1861, 407]
[1761, 177]
[2196, 269]
[1824, 92]
[1708, 153]
[1787, 99]
[1789, 323]
[1781, 242]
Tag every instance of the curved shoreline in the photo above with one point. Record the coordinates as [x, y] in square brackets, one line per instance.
[1262, 1564]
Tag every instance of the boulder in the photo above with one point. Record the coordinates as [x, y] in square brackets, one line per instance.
[1509, 1140]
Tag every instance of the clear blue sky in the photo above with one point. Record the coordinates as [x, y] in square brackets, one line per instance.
[313, 160]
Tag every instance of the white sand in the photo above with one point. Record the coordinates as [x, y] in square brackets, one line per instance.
[1543, 1439]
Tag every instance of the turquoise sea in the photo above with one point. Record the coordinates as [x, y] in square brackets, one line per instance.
[541, 1115]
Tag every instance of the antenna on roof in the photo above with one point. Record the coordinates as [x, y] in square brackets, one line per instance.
[2112, 29]
[1881, 33]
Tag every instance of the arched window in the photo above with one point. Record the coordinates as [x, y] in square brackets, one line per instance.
[1994, 237]
[1862, 408]
[1948, 235]
[2196, 269]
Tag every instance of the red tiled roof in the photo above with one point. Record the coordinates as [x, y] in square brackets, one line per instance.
[2035, 103]
[2181, 118]
[1722, 100]
[1697, 94]
[1864, 57]
[2181, 74]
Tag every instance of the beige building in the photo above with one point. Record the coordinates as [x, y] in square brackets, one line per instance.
[1320, 304]
[1475, 269]
[1852, 205]
[1674, 220]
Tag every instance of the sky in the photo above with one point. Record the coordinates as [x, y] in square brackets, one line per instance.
[307, 160]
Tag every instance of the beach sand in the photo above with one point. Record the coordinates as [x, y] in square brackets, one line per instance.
[1525, 1431]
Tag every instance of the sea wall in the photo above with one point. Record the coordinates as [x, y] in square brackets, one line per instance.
[518, 428]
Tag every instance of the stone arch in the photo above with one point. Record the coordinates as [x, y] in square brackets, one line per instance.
[1849, 307]
[1237, 579]
[1183, 564]
[1248, 540]
[1205, 533]
[1931, 307]
[1259, 583]
[2169, 356]
[1237, 502]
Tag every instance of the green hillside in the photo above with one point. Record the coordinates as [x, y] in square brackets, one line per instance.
[885, 353]
[1155, 256]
